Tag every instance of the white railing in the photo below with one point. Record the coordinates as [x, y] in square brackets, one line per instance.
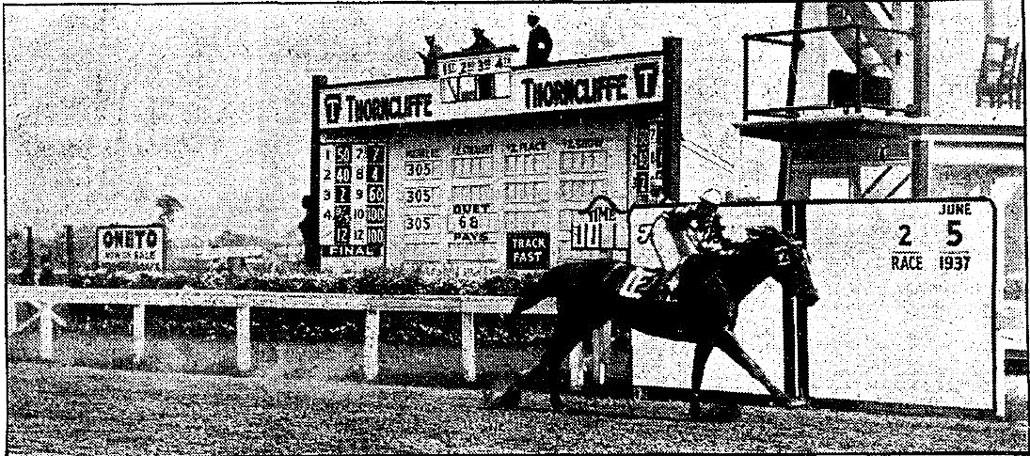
[44, 299]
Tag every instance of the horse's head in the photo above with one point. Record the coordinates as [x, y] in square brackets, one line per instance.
[788, 260]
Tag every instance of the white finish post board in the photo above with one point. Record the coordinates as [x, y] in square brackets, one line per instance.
[906, 314]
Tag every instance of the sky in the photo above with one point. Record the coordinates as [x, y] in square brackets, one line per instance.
[109, 107]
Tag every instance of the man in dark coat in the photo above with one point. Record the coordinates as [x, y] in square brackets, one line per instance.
[309, 231]
[539, 49]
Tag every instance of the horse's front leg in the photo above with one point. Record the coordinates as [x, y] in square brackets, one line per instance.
[727, 342]
[701, 353]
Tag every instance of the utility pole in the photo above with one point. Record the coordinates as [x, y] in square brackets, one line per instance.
[29, 273]
[70, 249]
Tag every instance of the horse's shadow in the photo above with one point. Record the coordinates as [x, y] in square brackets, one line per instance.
[715, 413]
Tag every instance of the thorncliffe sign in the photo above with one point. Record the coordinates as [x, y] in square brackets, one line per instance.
[575, 91]
[614, 81]
[379, 108]
[599, 89]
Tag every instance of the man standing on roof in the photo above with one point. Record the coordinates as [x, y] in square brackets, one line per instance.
[430, 57]
[482, 43]
[538, 51]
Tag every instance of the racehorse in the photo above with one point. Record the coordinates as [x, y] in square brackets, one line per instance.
[590, 293]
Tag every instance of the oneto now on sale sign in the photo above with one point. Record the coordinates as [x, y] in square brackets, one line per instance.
[131, 245]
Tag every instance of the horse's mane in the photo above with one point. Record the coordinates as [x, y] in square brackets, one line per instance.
[760, 238]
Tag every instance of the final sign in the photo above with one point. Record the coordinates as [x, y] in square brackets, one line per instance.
[139, 246]
[529, 250]
[596, 227]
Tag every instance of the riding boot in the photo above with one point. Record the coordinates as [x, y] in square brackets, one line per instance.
[663, 285]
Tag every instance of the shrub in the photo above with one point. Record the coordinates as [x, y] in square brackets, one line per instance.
[311, 325]
[381, 281]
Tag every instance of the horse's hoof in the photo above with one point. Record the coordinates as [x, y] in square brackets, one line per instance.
[503, 395]
[557, 406]
[795, 403]
[717, 413]
[788, 402]
[490, 398]
[502, 400]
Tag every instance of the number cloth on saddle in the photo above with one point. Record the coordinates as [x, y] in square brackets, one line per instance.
[636, 282]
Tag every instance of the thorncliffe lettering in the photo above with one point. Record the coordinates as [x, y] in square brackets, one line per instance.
[575, 91]
[388, 108]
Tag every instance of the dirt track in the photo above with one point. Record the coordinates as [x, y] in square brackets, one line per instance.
[75, 410]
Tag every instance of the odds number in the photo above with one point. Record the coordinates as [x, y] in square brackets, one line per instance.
[418, 196]
[419, 169]
[470, 223]
[417, 224]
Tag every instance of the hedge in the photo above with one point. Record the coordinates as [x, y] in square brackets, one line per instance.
[309, 325]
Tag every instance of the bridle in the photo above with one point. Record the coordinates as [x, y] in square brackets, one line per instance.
[783, 253]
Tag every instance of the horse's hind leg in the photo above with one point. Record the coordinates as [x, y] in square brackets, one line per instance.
[562, 344]
[567, 333]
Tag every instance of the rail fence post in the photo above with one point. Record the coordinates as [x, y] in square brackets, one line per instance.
[602, 342]
[46, 331]
[139, 338]
[468, 345]
[576, 367]
[12, 317]
[243, 360]
[371, 354]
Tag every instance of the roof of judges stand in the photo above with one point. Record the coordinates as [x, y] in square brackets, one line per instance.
[498, 50]
[447, 55]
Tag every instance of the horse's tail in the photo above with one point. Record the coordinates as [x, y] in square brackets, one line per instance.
[530, 296]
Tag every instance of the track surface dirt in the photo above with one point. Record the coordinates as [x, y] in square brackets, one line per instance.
[58, 409]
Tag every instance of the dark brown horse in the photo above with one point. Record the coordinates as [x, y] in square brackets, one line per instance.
[590, 293]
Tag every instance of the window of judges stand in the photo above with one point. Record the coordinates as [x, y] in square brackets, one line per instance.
[475, 87]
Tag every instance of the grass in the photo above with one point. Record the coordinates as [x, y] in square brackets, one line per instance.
[399, 364]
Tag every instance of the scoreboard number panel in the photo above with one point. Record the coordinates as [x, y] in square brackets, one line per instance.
[327, 180]
[353, 200]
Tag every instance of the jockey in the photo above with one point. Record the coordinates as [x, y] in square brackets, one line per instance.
[697, 234]
[700, 226]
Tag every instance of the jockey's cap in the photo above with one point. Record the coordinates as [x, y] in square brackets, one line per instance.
[712, 196]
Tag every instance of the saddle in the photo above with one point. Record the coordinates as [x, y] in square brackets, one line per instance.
[636, 282]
